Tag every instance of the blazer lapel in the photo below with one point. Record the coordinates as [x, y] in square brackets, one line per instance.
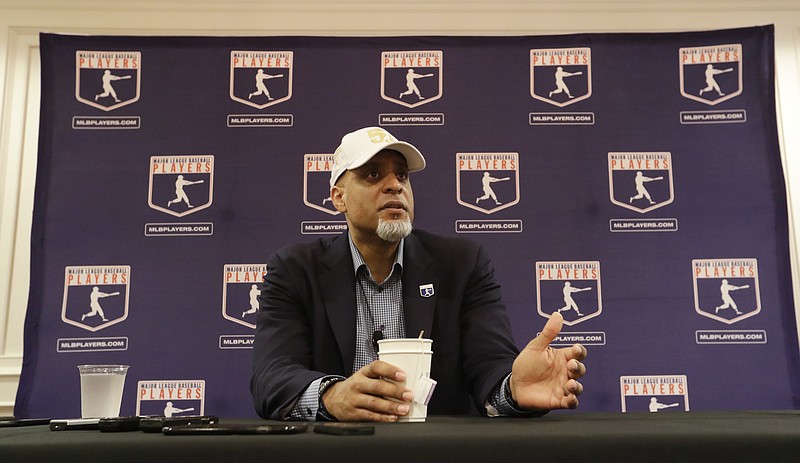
[419, 288]
[338, 287]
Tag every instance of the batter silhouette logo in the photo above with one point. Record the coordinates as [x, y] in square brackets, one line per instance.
[261, 78]
[96, 297]
[107, 80]
[487, 182]
[181, 185]
[571, 288]
[411, 78]
[640, 181]
[241, 287]
[711, 74]
[726, 290]
[561, 76]
[654, 394]
[316, 182]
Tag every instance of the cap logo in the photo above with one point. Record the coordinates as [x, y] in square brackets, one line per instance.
[380, 136]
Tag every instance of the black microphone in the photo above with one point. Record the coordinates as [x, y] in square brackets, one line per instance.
[376, 336]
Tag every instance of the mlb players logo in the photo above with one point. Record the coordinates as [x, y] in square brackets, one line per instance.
[654, 394]
[487, 182]
[171, 398]
[316, 185]
[726, 290]
[181, 185]
[561, 76]
[711, 74]
[571, 288]
[261, 78]
[107, 80]
[426, 290]
[411, 78]
[640, 181]
[240, 290]
[95, 297]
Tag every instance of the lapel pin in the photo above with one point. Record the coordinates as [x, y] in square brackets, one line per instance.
[426, 290]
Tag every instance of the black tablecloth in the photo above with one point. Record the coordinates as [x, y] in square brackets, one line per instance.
[730, 437]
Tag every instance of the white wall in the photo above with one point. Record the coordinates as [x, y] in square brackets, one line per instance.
[22, 20]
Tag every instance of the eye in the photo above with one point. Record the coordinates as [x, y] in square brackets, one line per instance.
[402, 176]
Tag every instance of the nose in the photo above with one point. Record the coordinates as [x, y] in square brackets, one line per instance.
[392, 184]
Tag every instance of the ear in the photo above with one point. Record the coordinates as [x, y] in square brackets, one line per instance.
[337, 196]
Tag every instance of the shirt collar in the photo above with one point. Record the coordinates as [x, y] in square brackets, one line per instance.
[358, 259]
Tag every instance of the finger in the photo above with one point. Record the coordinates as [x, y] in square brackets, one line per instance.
[383, 388]
[576, 369]
[362, 414]
[383, 406]
[366, 415]
[378, 369]
[571, 402]
[573, 388]
[579, 352]
[549, 332]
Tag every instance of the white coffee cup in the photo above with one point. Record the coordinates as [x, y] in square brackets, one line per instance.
[413, 356]
[101, 390]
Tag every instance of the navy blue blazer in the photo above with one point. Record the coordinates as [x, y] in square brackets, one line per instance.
[306, 324]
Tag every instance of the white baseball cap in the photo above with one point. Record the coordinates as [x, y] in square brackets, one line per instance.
[360, 146]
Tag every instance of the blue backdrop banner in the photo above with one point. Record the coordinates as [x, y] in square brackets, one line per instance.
[631, 181]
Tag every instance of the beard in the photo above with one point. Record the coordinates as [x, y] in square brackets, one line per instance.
[393, 231]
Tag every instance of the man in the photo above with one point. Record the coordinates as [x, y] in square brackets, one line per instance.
[324, 303]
